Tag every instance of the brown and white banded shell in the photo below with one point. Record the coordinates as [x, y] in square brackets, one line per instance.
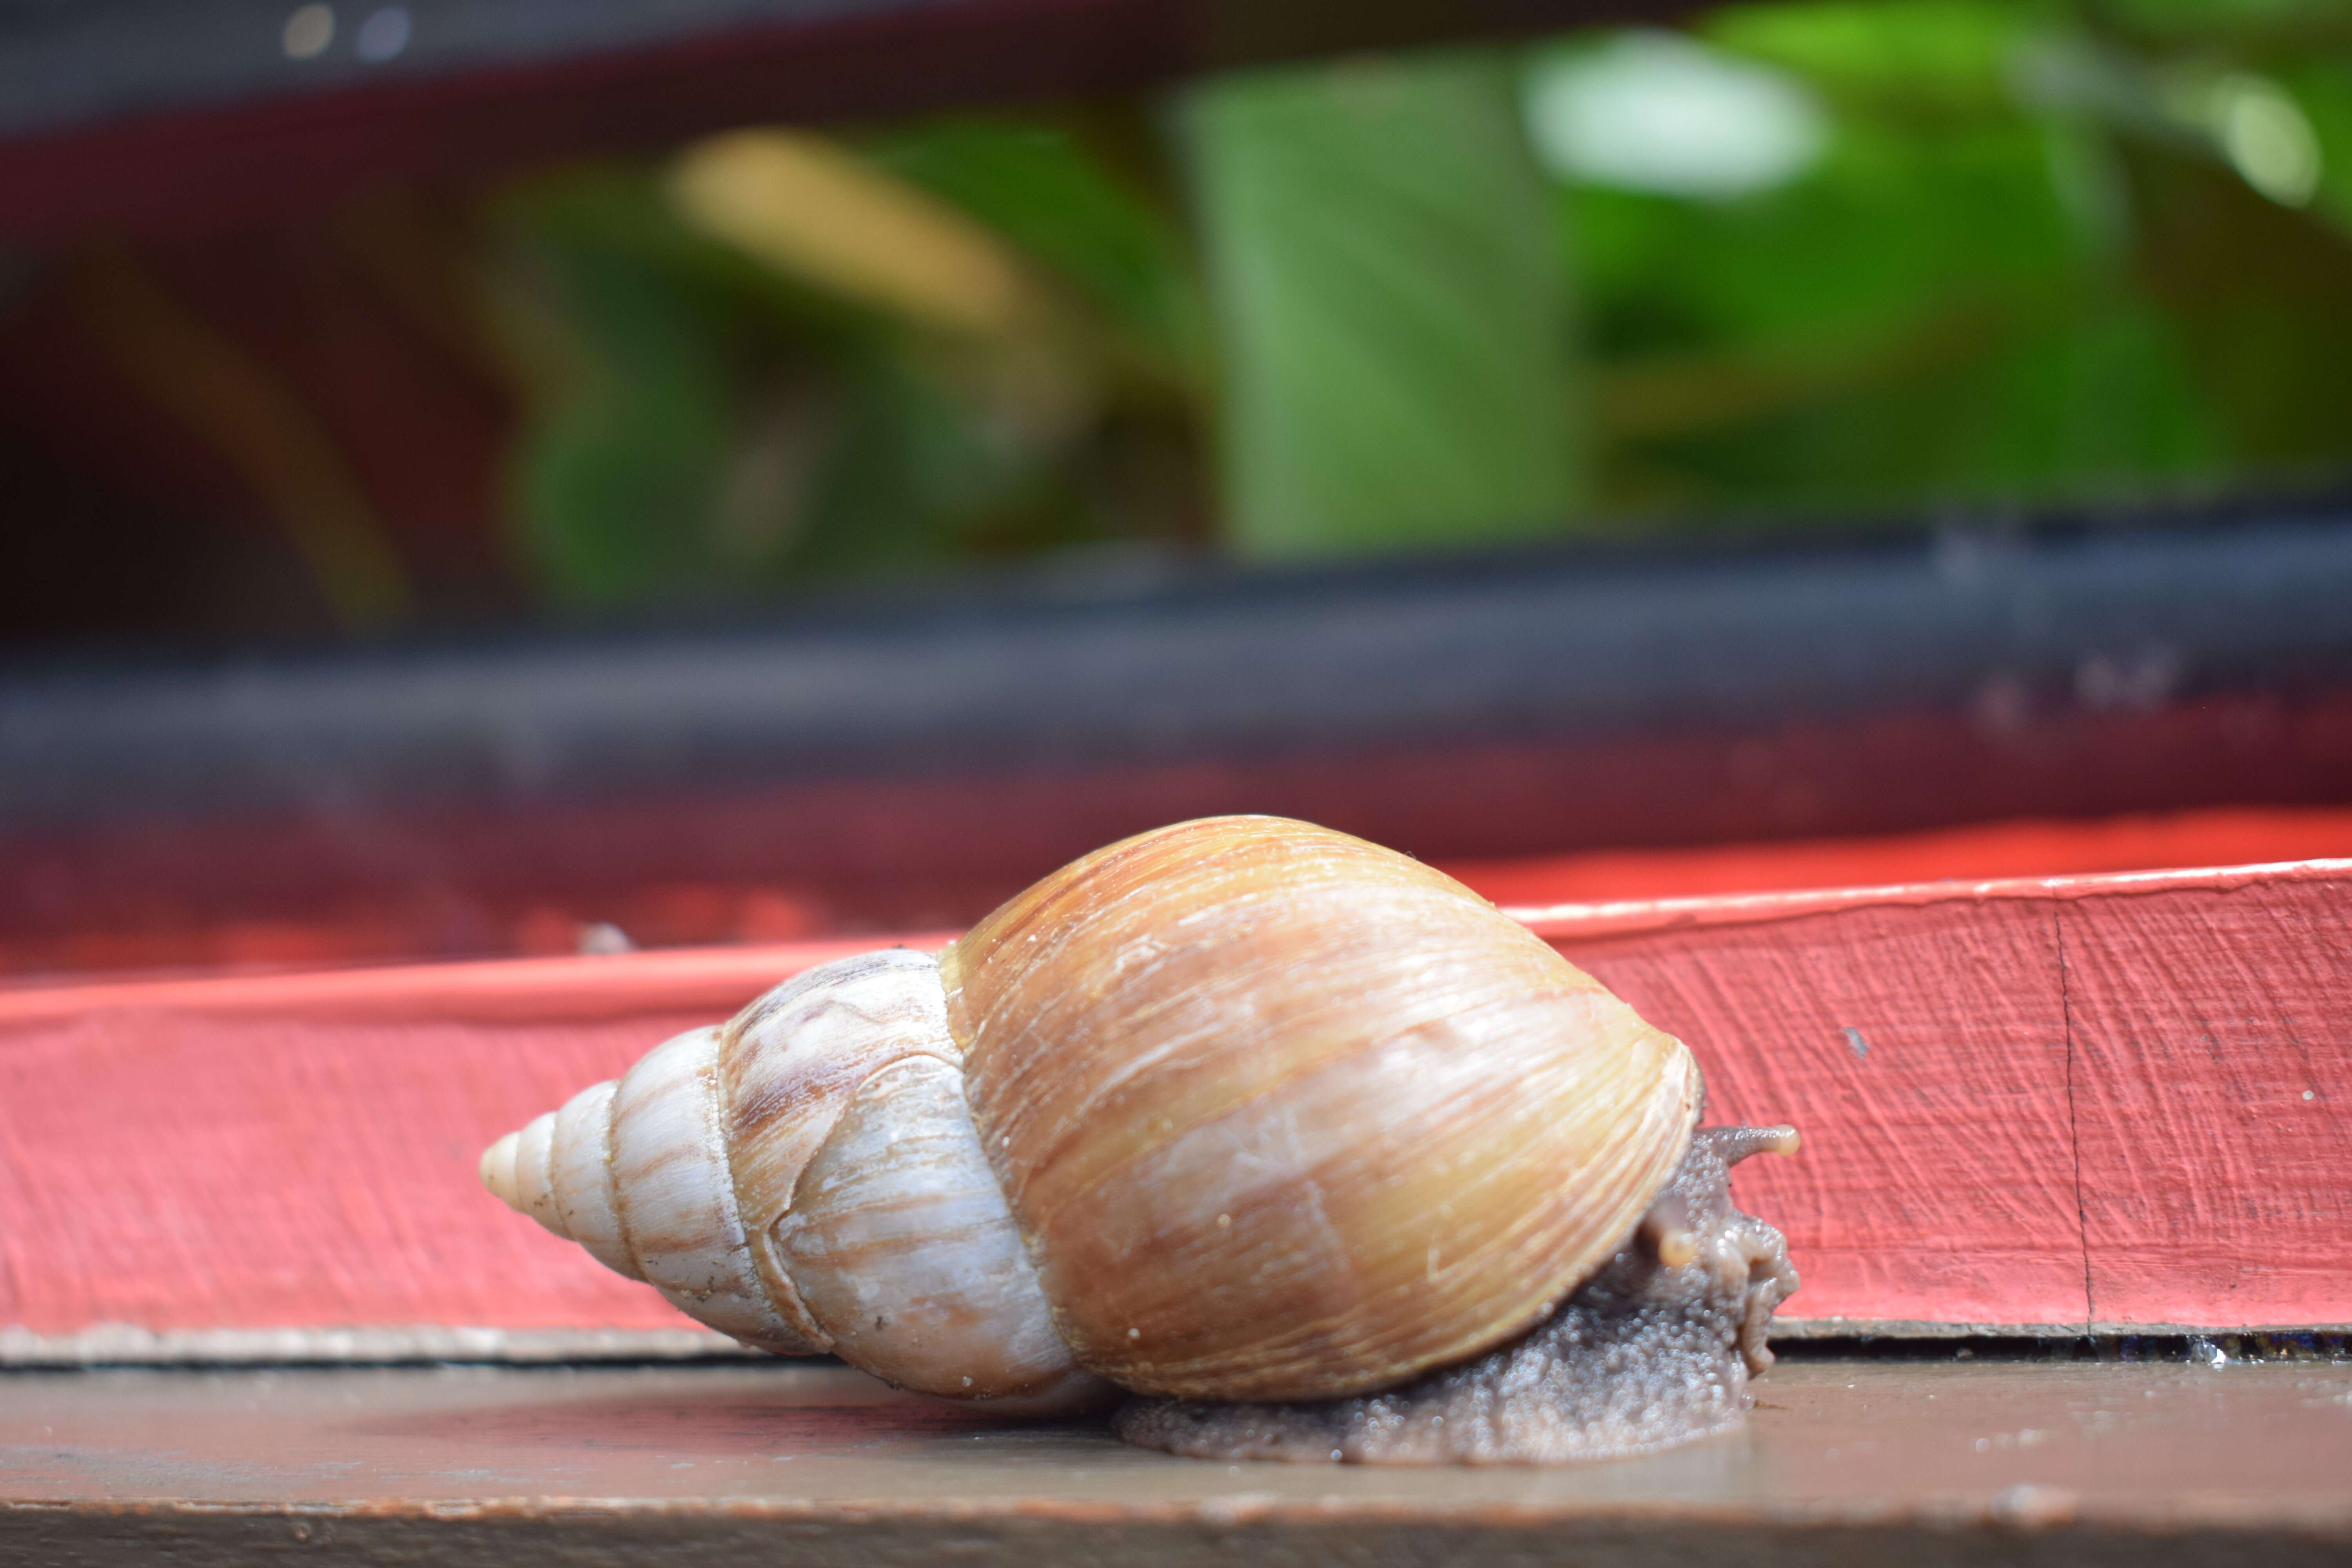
[1240, 1109]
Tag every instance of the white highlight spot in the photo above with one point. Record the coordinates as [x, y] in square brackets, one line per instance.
[602, 938]
[1658, 112]
[308, 32]
[2266, 137]
[383, 34]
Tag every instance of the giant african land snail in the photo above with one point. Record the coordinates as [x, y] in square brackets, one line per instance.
[1285, 1129]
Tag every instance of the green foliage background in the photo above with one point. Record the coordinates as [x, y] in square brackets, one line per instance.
[1338, 309]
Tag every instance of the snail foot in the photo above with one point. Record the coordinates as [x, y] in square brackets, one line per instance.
[1653, 1351]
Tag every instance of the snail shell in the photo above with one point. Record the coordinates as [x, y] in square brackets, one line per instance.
[1240, 1109]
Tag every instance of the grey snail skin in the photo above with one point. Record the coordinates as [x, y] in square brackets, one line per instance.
[1300, 1146]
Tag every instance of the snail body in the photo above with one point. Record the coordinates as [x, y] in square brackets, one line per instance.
[1240, 1109]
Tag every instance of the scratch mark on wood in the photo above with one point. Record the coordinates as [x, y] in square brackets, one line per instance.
[1860, 1047]
[2073, 1125]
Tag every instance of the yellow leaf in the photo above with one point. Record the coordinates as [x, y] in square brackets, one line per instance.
[814, 209]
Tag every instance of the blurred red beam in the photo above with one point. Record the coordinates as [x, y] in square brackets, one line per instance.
[273, 149]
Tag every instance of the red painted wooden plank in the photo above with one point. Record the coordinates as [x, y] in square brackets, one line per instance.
[2201, 1065]
[2217, 836]
[1921, 1049]
[2212, 1037]
[299, 1150]
[528, 990]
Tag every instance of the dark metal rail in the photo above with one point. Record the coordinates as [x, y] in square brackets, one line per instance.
[1527, 648]
[913, 759]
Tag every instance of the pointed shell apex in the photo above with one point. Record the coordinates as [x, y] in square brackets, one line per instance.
[498, 1170]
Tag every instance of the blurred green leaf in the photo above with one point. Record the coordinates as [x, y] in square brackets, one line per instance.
[1887, 224]
[621, 210]
[703, 426]
[617, 478]
[1986, 290]
[913, 480]
[1038, 186]
[2226, 24]
[1392, 308]
[1900, 59]
[2101, 401]
[2264, 297]
[2324, 89]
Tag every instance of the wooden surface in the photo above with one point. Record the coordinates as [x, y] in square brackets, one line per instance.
[2103, 1102]
[1841, 1462]
[2113, 1103]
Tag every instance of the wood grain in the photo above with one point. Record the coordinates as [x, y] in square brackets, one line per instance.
[2034, 1104]
[2107, 1103]
[1922, 1053]
[2212, 1038]
[298, 1151]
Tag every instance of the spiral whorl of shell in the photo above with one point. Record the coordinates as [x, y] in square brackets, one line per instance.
[806, 1179]
[1286, 1115]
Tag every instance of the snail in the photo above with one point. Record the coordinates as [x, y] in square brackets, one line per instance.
[1298, 1142]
